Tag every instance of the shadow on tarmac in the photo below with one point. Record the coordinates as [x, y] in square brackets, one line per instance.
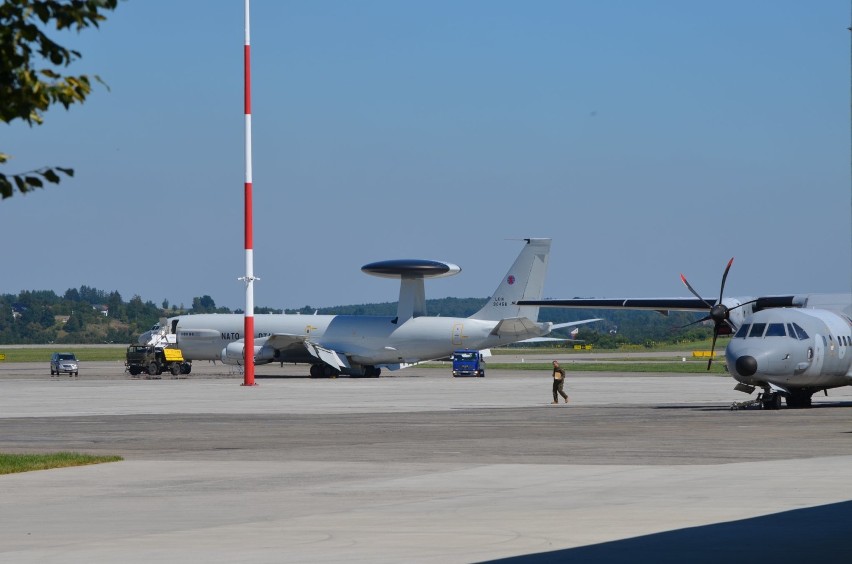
[800, 535]
[717, 407]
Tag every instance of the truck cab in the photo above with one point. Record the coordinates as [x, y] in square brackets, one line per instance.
[468, 362]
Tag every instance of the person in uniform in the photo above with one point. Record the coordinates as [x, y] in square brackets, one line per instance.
[558, 382]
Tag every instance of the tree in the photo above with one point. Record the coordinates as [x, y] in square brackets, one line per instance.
[74, 323]
[30, 81]
[204, 304]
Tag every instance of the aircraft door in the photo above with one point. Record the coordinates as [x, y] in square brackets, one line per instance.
[818, 356]
[457, 333]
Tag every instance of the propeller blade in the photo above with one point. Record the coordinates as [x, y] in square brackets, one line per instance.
[712, 349]
[694, 293]
[725, 277]
[703, 319]
[744, 303]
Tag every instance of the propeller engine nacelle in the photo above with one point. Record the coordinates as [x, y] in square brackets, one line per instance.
[233, 354]
[737, 311]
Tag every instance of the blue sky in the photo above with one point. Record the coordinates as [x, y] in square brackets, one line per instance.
[646, 138]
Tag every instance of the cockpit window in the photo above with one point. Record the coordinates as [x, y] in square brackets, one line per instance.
[741, 334]
[775, 330]
[800, 332]
[757, 330]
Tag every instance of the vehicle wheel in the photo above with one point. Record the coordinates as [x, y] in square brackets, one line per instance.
[134, 371]
[51, 371]
[185, 368]
[482, 373]
[175, 369]
[77, 373]
[316, 371]
[152, 369]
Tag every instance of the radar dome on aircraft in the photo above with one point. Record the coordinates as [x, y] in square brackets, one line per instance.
[411, 274]
[411, 268]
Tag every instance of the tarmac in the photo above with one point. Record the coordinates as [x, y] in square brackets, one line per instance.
[419, 467]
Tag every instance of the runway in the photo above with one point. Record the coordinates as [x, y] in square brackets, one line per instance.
[420, 467]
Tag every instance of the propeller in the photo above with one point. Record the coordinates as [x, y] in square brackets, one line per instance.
[719, 313]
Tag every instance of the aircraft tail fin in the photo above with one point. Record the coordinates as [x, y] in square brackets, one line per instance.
[524, 281]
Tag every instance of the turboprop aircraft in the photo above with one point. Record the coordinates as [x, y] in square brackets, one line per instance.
[362, 345]
[790, 346]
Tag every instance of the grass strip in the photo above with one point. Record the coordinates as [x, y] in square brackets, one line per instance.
[83, 354]
[635, 366]
[13, 463]
[116, 353]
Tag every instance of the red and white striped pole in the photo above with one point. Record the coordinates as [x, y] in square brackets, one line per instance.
[248, 331]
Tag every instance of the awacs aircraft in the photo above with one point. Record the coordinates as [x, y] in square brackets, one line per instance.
[363, 345]
[790, 346]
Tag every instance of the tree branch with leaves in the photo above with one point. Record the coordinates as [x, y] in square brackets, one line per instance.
[30, 71]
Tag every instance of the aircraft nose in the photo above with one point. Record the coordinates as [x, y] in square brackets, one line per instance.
[746, 365]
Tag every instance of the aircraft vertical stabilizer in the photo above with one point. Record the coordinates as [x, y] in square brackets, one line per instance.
[524, 280]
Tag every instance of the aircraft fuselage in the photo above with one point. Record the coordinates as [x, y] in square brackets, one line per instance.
[794, 349]
[365, 340]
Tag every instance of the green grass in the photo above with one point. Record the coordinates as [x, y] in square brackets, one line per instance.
[13, 463]
[15, 353]
[689, 367]
[42, 354]
[659, 347]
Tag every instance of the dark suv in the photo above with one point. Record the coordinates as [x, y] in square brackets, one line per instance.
[64, 362]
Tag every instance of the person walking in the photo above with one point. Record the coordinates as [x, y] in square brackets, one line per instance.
[558, 382]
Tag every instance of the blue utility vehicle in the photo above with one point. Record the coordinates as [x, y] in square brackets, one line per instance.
[468, 363]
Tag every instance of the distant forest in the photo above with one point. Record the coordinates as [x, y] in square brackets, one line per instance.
[90, 316]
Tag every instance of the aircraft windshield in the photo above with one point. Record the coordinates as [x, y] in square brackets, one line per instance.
[772, 330]
[775, 330]
[757, 330]
[800, 332]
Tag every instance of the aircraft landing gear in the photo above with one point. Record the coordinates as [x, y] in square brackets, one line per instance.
[771, 400]
[799, 400]
[323, 371]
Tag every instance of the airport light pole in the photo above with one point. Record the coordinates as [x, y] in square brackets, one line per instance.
[248, 330]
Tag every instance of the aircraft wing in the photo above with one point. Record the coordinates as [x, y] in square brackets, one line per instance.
[662, 305]
[286, 341]
[328, 356]
[574, 323]
[650, 304]
[298, 344]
